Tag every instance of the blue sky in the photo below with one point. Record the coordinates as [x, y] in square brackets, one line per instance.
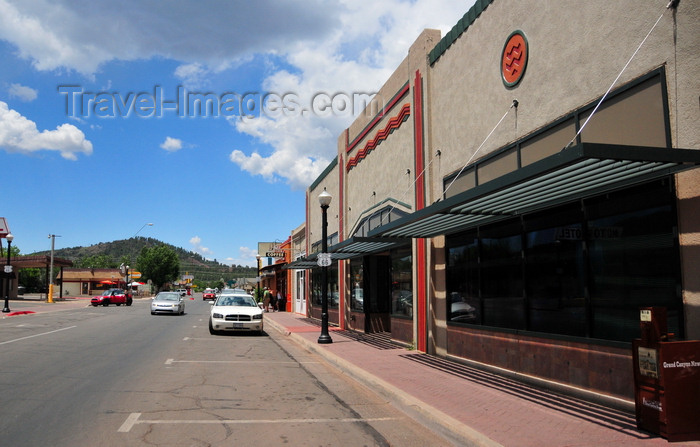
[216, 185]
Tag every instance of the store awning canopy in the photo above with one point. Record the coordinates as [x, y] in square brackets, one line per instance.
[356, 246]
[350, 248]
[578, 171]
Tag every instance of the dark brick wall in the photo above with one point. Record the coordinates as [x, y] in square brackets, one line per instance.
[402, 330]
[603, 369]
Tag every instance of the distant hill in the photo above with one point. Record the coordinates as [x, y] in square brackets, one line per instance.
[190, 262]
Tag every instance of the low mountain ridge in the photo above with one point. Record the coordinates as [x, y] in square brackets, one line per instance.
[190, 262]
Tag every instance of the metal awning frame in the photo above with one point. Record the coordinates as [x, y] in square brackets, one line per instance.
[579, 171]
[351, 248]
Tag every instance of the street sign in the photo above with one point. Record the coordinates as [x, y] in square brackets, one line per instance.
[135, 275]
[324, 260]
[4, 228]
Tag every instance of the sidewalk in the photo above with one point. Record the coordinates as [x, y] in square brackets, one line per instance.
[469, 406]
[30, 304]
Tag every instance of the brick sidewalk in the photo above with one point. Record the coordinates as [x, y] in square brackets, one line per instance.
[467, 405]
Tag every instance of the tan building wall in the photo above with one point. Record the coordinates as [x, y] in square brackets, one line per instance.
[576, 51]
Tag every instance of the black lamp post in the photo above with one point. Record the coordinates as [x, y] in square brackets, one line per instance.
[257, 292]
[325, 200]
[8, 274]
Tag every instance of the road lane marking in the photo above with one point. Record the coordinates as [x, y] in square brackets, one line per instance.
[129, 422]
[37, 335]
[133, 420]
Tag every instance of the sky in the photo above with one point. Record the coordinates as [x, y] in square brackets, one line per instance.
[206, 119]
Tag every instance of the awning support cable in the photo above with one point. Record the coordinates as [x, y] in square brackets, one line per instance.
[671, 4]
[514, 104]
[411, 187]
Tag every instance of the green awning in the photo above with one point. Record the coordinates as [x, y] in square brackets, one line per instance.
[579, 171]
[356, 246]
[350, 248]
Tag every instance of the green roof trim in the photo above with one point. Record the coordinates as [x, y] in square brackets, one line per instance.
[457, 30]
[323, 175]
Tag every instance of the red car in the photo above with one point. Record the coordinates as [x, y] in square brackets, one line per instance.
[112, 296]
[208, 294]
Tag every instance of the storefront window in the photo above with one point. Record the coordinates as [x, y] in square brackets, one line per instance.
[502, 276]
[402, 283]
[555, 273]
[333, 293]
[584, 270]
[357, 291]
[633, 260]
[463, 280]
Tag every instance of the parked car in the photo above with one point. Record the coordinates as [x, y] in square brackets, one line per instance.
[112, 296]
[168, 302]
[182, 292]
[235, 312]
[209, 294]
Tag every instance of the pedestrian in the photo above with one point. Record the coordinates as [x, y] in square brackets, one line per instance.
[273, 301]
[280, 302]
[266, 299]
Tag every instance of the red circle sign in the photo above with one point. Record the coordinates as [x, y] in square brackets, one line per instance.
[514, 58]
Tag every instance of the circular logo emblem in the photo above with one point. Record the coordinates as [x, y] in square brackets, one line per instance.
[514, 59]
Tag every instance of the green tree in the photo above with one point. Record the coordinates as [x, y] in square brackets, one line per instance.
[159, 263]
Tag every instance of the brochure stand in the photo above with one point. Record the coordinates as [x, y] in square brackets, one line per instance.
[666, 379]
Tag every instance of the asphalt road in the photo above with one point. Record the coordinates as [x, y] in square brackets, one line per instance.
[118, 376]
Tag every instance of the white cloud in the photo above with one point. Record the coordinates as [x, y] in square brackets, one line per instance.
[192, 75]
[81, 35]
[171, 144]
[22, 92]
[19, 134]
[197, 247]
[246, 257]
[357, 57]
[329, 46]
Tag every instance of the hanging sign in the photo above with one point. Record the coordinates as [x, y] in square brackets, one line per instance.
[4, 228]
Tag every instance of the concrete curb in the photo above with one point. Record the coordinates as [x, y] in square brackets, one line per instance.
[426, 415]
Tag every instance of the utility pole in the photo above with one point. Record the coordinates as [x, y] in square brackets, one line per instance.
[53, 241]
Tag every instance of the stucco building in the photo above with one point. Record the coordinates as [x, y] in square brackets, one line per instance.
[520, 187]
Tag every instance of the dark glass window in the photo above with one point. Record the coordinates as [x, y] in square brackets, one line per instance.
[502, 276]
[402, 282]
[357, 287]
[555, 272]
[377, 219]
[633, 259]
[333, 294]
[587, 267]
[463, 279]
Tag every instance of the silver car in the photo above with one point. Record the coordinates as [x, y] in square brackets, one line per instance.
[168, 303]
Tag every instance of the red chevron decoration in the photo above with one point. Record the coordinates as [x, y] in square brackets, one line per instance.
[381, 135]
[514, 59]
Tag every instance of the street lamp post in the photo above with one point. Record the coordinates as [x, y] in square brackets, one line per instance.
[325, 200]
[144, 226]
[257, 293]
[8, 274]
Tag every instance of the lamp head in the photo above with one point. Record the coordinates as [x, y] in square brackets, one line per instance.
[9, 237]
[325, 198]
